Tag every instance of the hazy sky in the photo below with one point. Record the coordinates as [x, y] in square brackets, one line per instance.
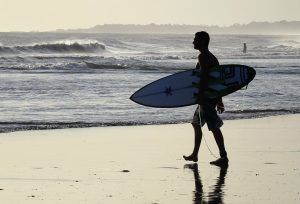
[26, 15]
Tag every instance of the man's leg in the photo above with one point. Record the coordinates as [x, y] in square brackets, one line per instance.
[197, 142]
[220, 142]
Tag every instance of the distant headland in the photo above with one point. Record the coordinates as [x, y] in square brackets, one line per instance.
[259, 28]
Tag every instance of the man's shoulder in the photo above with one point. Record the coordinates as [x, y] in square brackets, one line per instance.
[206, 55]
[208, 59]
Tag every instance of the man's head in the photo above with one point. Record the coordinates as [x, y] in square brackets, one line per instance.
[201, 40]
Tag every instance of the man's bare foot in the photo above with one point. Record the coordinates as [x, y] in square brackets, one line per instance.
[222, 162]
[191, 158]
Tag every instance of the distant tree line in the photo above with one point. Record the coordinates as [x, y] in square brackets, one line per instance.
[281, 27]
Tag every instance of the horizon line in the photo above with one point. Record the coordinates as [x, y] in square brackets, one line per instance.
[152, 24]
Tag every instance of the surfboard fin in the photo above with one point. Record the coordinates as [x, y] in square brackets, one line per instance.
[245, 87]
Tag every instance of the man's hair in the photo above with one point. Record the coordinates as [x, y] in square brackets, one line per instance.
[203, 36]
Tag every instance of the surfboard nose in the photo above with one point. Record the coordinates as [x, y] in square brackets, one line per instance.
[251, 73]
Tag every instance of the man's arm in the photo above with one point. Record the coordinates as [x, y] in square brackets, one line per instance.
[220, 106]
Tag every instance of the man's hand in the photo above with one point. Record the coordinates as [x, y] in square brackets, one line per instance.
[220, 107]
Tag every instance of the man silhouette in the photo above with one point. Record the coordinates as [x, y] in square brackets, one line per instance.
[206, 111]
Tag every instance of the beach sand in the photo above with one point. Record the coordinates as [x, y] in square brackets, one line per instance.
[144, 164]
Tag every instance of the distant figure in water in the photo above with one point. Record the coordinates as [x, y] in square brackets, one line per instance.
[206, 111]
[245, 48]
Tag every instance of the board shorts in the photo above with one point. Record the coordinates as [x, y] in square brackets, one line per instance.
[207, 113]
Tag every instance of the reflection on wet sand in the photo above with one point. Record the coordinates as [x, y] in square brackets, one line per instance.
[216, 191]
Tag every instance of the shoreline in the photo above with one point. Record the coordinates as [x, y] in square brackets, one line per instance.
[6, 127]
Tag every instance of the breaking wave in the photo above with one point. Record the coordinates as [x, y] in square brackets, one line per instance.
[278, 50]
[57, 47]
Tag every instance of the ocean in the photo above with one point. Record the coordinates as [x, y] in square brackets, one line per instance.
[47, 79]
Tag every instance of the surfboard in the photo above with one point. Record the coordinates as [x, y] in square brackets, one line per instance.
[182, 88]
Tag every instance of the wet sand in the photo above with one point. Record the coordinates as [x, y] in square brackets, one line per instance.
[144, 164]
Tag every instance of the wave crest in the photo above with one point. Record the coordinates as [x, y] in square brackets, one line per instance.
[74, 47]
